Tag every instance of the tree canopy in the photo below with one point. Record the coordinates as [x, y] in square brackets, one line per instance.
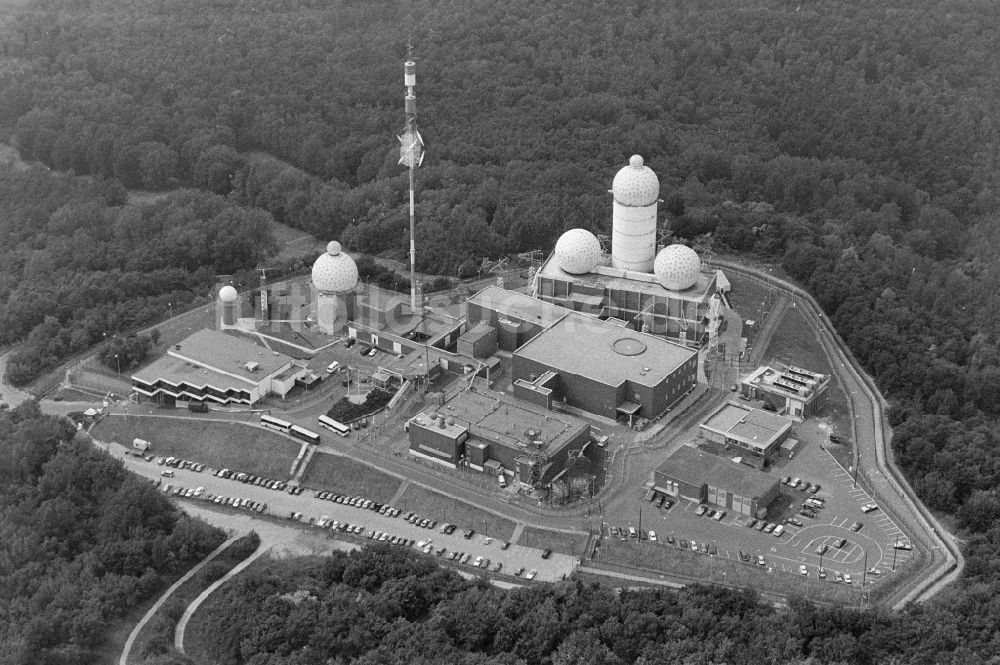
[83, 540]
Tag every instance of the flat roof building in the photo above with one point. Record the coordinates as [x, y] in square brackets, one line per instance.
[603, 369]
[696, 475]
[213, 366]
[791, 390]
[516, 316]
[751, 430]
[487, 430]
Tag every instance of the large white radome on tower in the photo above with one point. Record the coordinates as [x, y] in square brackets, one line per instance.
[677, 267]
[636, 184]
[578, 251]
[334, 271]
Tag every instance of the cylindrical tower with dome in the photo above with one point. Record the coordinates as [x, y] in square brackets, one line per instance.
[228, 296]
[635, 191]
[334, 277]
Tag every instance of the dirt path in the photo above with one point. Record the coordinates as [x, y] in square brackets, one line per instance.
[123, 659]
[203, 596]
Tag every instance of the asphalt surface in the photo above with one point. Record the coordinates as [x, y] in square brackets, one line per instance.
[282, 504]
[876, 469]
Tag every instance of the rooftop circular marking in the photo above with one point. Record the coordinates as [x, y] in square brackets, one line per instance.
[628, 346]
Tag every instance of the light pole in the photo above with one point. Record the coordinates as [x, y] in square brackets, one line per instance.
[119, 362]
[170, 306]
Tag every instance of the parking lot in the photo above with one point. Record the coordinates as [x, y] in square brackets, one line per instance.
[312, 510]
[871, 548]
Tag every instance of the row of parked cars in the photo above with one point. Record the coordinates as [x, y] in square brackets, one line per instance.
[659, 499]
[711, 512]
[777, 530]
[799, 484]
[178, 463]
[626, 533]
[199, 493]
[426, 546]
[251, 479]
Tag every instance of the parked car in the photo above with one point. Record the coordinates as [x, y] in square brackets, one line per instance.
[869, 507]
[546, 553]
[702, 509]
[652, 536]
[857, 526]
[803, 570]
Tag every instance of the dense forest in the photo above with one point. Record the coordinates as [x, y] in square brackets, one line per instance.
[383, 606]
[854, 144]
[79, 266]
[82, 541]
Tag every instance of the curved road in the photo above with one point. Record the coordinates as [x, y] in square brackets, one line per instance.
[876, 466]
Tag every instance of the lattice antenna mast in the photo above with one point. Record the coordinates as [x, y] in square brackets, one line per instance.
[411, 153]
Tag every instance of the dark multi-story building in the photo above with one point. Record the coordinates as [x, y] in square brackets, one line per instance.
[603, 368]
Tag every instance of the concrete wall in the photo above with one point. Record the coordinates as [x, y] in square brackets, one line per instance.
[434, 442]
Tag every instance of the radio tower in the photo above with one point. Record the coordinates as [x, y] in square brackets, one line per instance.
[411, 153]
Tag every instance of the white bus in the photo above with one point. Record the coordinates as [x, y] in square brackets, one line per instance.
[275, 423]
[337, 428]
[304, 434]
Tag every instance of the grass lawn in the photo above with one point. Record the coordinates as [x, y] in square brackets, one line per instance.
[557, 541]
[444, 509]
[294, 244]
[344, 475]
[795, 343]
[752, 301]
[215, 444]
[663, 558]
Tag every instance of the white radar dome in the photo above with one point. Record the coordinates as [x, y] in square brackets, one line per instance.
[636, 184]
[677, 267]
[578, 251]
[228, 294]
[334, 271]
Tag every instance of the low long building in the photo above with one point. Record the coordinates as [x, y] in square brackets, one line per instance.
[699, 476]
[752, 431]
[215, 367]
[603, 368]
